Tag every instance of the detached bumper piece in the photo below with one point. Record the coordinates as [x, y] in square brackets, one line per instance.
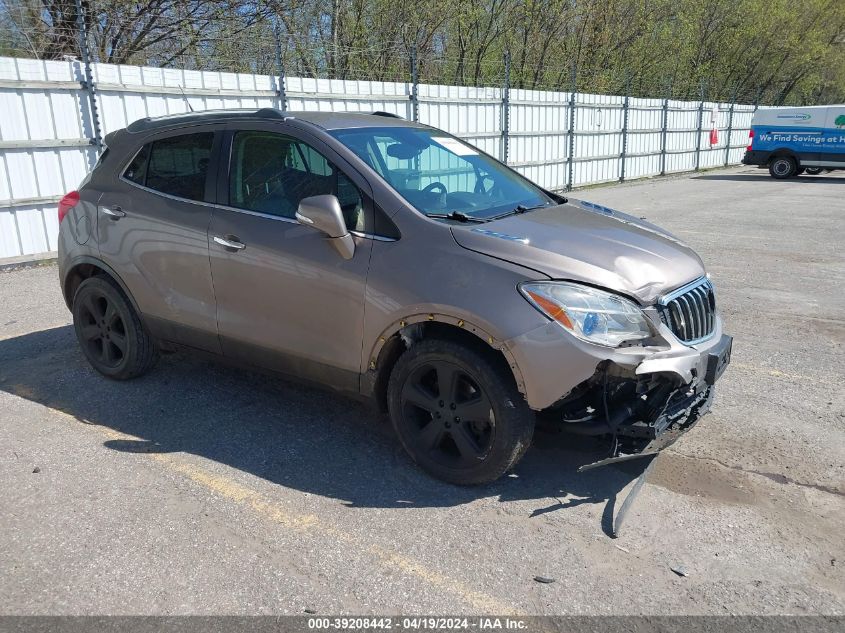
[642, 414]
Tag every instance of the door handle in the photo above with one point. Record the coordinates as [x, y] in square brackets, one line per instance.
[229, 243]
[115, 212]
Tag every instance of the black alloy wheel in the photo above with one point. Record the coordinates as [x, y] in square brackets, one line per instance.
[451, 415]
[102, 329]
[109, 330]
[457, 411]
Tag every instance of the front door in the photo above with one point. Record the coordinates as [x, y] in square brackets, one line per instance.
[286, 299]
[152, 230]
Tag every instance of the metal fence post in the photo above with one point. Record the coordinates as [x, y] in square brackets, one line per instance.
[88, 85]
[699, 128]
[664, 127]
[506, 109]
[280, 69]
[570, 166]
[415, 95]
[625, 116]
[730, 127]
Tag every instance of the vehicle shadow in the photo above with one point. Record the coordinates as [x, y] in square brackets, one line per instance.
[764, 176]
[290, 435]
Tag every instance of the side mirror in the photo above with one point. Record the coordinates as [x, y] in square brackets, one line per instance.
[324, 214]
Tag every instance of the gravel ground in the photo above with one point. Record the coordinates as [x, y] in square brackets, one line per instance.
[206, 489]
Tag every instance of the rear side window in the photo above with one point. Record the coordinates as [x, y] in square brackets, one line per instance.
[176, 166]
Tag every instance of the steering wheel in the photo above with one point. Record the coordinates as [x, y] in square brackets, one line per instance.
[429, 188]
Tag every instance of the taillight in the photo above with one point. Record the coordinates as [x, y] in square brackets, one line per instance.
[67, 203]
[751, 137]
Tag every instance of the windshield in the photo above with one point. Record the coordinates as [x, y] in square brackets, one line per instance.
[441, 175]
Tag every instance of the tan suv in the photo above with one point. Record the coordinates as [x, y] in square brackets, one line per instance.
[392, 261]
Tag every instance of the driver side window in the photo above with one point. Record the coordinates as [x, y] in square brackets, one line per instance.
[271, 173]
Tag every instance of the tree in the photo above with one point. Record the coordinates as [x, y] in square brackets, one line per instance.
[715, 49]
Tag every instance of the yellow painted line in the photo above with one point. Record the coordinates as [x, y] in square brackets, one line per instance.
[776, 373]
[229, 489]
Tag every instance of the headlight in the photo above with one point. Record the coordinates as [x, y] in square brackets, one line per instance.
[591, 315]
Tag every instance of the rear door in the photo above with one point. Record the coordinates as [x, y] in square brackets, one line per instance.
[286, 299]
[152, 230]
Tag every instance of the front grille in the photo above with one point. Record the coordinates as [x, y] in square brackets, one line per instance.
[691, 311]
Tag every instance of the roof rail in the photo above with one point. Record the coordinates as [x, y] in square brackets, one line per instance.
[270, 113]
[387, 114]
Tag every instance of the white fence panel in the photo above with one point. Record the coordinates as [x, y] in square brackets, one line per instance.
[474, 114]
[539, 136]
[47, 131]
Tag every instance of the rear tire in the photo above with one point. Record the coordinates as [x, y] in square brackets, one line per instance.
[458, 413]
[109, 331]
[813, 171]
[783, 167]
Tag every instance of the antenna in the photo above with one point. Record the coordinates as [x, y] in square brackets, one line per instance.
[187, 103]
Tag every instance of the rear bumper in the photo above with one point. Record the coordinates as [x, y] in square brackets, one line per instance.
[756, 157]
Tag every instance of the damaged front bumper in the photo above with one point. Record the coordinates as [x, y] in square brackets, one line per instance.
[641, 398]
[642, 412]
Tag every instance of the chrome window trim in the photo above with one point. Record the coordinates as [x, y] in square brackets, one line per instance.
[165, 195]
[373, 236]
[225, 207]
[259, 214]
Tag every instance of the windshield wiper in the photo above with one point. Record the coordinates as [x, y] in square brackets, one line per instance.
[455, 215]
[520, 208]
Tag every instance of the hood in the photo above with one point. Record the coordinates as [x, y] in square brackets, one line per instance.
[582, 241]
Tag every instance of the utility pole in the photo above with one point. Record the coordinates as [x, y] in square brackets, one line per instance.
[280, 69]
[570, 166]
[699, 128]
[626, 105]
[664, 128]
[506, 108]
[415, 95]
[88, 84]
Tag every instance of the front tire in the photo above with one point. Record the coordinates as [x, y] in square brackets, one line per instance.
[458, 413]
[814, 171]
[109, 331]
[783, 167]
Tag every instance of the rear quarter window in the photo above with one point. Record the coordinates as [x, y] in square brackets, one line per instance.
[137, 170]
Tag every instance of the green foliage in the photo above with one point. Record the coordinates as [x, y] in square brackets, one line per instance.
[772, 51]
